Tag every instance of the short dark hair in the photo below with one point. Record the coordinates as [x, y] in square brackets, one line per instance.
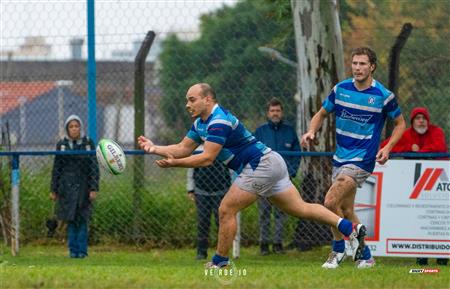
[207, 90]
[274, 102]
[366, 51]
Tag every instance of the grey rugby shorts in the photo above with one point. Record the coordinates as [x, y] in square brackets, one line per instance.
[269, 178]
[356, 173]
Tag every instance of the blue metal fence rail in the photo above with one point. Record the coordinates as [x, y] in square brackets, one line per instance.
[286, 153]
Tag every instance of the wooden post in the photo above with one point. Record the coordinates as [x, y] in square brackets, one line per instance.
[394, 65]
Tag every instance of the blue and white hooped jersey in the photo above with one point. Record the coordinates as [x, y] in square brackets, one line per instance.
[360, 117]
[240, 147]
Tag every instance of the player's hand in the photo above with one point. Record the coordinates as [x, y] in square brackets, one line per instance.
[382, 156]
[92, 195]
[53, 196]
[308, 139]
[168, 162]
[146, 144]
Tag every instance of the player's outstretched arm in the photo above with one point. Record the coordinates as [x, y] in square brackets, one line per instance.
[399, 129]
[316, 122]
[206, 158]
[179, 150]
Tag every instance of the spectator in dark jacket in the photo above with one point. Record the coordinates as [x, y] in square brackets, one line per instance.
[74, 185]
[207, 186]
[279, 136]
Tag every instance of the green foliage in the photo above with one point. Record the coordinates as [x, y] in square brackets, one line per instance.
[125, 267]
[226, 56]
[5, 195]
[35, 204]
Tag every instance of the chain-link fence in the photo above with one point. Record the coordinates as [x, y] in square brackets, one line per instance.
[162, 215]
[43, 81]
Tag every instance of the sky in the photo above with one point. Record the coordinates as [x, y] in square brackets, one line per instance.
[118, 23]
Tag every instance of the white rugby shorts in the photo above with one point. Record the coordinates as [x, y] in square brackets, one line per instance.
[269, 178]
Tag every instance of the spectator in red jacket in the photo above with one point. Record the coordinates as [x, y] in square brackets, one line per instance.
[422, 137]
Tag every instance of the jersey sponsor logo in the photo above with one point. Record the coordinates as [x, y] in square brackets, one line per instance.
[358, 118]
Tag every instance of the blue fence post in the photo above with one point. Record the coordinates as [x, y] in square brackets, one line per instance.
[15, 217]
[91, 72]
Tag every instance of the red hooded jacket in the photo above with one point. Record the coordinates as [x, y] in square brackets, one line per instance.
[432, 141]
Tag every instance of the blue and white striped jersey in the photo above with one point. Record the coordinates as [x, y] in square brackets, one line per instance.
[240, 147]
[360, 117]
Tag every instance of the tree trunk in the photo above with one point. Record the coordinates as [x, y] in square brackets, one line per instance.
[320, 66]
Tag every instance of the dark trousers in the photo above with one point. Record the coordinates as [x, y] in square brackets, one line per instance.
[308, 233]
[77, 235]
[265, 211]
[207, 205]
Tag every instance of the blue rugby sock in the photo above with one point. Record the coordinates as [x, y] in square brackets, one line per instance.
[220, 260]
[339, 246]
[345, 226]
[366, 253]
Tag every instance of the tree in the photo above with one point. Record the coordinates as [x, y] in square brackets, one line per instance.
[319, 54]
[226, 55]
[320, 66]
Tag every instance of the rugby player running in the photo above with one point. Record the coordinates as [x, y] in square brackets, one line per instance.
[261, 171]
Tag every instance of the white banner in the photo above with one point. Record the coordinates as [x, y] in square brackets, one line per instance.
[406, 207]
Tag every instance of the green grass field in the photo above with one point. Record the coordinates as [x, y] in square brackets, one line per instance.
[126, 267]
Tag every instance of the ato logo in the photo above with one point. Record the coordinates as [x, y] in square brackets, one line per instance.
[428, 181]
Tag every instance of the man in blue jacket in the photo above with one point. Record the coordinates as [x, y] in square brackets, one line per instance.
[279, 136]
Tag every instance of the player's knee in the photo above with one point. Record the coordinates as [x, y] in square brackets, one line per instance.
[348, 213]
[225, 212]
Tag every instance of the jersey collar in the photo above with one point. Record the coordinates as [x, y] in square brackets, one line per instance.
[212, 112]
[373, 84]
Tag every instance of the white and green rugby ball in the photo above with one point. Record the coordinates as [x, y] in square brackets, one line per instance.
[111, 156]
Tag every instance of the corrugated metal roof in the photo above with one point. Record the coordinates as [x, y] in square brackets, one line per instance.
[12, 94]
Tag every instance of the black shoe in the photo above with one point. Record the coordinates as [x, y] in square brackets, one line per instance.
[442, 261]
[201, 254]
[264, 249]
[422, 261]
[278, 249]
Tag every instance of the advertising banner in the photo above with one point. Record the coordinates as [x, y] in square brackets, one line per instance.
[406, 207]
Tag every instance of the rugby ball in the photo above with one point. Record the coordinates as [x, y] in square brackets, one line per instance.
[111, 156]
